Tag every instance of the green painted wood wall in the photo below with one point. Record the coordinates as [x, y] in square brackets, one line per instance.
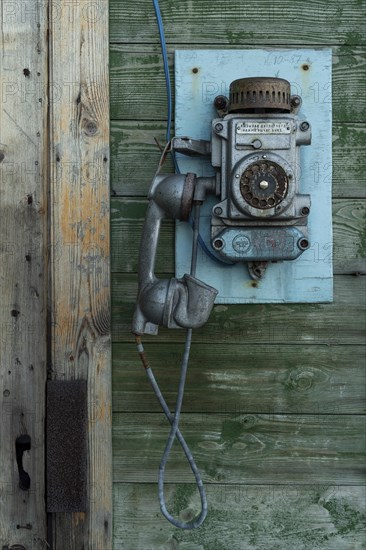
[275, 400]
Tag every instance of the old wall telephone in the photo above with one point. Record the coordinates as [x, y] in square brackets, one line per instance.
[260, 216]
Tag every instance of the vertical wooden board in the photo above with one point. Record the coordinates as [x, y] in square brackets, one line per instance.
[80, 272]
[23, 209]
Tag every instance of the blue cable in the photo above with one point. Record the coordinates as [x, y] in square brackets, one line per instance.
[159, 19]
[167, 76]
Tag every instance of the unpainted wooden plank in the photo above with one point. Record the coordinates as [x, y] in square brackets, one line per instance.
[317, 22]
[237, 377]
[243, 448]
[349, 217]
[23, 271]
[341, 322]
[132, 141]
[250, 517]
[133, 99]
[80, 293]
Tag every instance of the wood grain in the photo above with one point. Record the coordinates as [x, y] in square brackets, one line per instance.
[133, 99]
[243, 448]
[317, 22]
[23, 269]
[232, 378]
[80, 294]
[132, 141]
[349, 217]
[342, 322]
[250, 517]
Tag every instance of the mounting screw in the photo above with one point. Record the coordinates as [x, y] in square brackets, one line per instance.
[218, 211]
[218, 243]
[304, 126]
[305, 211]
[221, 102]
[237, 176]
[219, 127]
[295, 101]
[303, 244]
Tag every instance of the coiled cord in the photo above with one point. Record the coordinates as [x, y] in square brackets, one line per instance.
[175, 418]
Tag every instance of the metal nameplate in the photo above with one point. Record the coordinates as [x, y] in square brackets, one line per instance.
[269, 127]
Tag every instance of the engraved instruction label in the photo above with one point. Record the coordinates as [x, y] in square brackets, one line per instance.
[268, 127]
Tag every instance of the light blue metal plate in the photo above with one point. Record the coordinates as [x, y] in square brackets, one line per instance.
[310, 277]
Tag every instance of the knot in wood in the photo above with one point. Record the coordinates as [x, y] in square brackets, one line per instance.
[302, 381]
[90, 128]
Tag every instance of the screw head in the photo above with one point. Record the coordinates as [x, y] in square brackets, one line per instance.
[220, 102]
[295, 100]
[304, 126]
[303, 244]
[218, 211]
[264, 184]
[219, 127]
[218, 243]
[305, 211]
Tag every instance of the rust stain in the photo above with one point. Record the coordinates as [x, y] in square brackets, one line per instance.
[77, 518]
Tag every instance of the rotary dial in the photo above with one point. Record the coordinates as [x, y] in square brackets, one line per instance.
[264, 184]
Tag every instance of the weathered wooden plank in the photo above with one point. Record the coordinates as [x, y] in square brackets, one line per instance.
[349, 142]
[349, 234]
[23, 270]
[253, 517]
[172, 46]
[132, 141]
[236, 377]
[133, 99]
[127, 218]
[79, 153]
[342, 322]
[243, 448]
[349, 253]
[317, 22]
